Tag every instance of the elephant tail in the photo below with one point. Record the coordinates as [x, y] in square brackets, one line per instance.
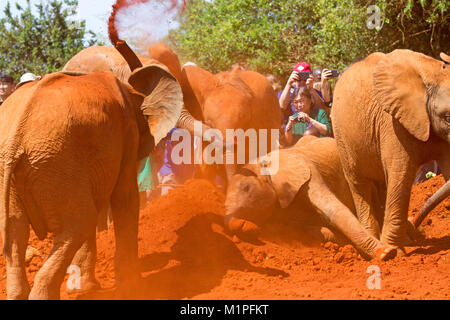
[431, 203]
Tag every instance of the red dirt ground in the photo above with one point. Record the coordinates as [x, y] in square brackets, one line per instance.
[186, 254]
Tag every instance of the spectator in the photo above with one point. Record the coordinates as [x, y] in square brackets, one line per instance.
[240, 65]
[274, 82]
[322, 85]
[309, 119]
[145, 180]
[285, 96]
[172, 174]
[6, 86]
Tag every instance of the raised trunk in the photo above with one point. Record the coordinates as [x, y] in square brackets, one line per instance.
[128, 54]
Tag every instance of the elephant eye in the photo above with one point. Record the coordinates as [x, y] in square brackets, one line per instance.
[447, 119]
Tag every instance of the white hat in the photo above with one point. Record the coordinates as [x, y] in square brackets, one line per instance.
[189, 63]
[27, 77]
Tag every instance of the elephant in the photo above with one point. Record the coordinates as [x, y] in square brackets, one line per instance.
[391, 114]
[69, 148]
[239, 99]
[310, 181]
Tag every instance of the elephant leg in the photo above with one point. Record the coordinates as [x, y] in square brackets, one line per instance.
[125, 212]
[340, 218]
[323, 234]
[85, 259]
[47, 282]
[396, 222]
[17, 286]
[363, 199]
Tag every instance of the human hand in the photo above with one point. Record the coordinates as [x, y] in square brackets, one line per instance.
[310, 82]
[294, 77]
[304, 117]
[326, 74]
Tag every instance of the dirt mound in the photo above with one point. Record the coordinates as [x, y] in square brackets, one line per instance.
[186, 253]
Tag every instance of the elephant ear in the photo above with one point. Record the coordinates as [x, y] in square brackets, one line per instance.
[164, 99]
[293, 172]
[401, 91]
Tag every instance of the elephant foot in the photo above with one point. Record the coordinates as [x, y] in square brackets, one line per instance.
[386, 253]
[20, 295]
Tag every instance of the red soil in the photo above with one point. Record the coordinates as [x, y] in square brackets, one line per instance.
[186, 254]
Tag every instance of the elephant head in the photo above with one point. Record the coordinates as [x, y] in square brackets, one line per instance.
[194, 82]
[252, 198]
[415, 90]
[163, 101]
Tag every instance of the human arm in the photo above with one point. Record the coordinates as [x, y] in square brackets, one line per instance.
[319, 126]
[325, 86]
[285, 95]
[316, 99]
[288, 135]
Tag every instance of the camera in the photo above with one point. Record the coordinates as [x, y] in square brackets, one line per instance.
[304, 75]
[335, 73]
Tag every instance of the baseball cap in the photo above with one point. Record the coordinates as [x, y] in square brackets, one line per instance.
[302, 67]
[6, 78]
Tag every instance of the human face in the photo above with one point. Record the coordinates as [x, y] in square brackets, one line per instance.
[298, 84]
[302, 104]
[6, 88]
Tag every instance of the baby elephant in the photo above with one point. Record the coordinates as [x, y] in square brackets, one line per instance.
[309, 180]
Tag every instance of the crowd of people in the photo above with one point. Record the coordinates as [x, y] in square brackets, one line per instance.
[305, 102]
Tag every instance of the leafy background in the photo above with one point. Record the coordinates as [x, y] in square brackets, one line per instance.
[270, 36]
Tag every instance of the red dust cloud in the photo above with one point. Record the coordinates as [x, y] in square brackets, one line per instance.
[143, 19]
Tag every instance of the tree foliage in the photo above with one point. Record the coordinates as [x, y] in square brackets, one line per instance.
[271, 36]
[41, 39]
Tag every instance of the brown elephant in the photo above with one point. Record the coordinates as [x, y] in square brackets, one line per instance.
[309, 181]
[238, 99]
[391, 113]
[69, 148]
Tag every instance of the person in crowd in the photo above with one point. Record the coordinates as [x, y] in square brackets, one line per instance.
[309, 118]
[6, 86]
[241, 65]
[294, 81]
[172, 174]
[274, 82]
[146, 181]
[322, 85]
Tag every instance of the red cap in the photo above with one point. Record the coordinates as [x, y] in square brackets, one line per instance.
[302, 67]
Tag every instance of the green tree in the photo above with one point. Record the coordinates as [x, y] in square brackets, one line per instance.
[273, 35]
[41, 40]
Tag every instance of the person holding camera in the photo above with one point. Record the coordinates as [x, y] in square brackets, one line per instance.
[300, 76]
[322, 85]
[309, 118]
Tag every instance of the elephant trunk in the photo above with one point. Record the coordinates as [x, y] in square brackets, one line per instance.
[239, 225]
[431, 203]
[128, 54]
